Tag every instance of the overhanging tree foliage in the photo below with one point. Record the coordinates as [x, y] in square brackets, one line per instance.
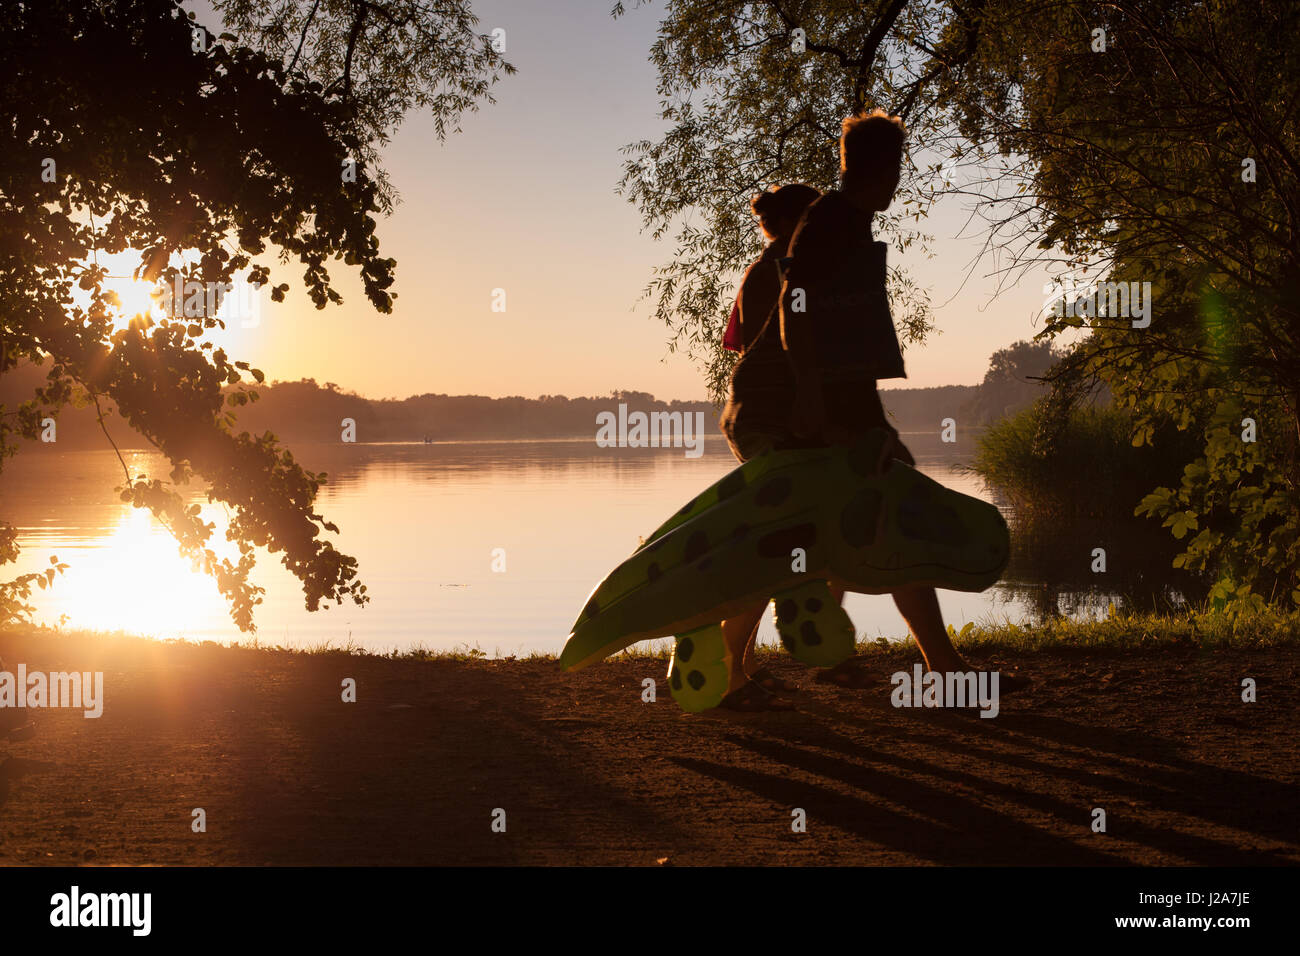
[1164, 151]
[1112, 142]
[126, 127]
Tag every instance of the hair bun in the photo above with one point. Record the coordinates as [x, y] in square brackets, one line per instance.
[787, 202]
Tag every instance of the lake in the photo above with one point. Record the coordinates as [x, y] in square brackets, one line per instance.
[424, 522]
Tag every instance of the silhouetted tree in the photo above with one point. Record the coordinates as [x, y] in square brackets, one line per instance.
[125, 126]
[1014, 379]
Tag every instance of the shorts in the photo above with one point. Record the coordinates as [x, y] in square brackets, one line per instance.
[759, 422]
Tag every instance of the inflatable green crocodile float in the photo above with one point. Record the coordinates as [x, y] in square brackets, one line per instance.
[786, 525]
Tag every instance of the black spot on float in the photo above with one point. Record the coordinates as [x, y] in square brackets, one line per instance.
[740, 532]
[704, 565]
[861, 517]
[813, 605]
[685, 648]
[653, 573]
[676, 679]
[592, 608]
[774, 492]
[808, 631]
[779, 544]
[696, 545]
[730, 486]
[923, 517]
[787, 611]
[695, 679]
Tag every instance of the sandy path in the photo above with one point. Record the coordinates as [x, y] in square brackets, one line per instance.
[587, 773]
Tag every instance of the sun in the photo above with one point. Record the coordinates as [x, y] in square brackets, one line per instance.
[236, 304]
[136, 298]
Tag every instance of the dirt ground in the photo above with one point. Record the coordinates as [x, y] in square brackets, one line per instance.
[587, 773]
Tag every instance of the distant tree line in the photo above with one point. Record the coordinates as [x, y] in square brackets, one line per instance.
[306, 411]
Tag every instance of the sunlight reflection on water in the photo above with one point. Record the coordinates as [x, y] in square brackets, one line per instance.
[423, 521]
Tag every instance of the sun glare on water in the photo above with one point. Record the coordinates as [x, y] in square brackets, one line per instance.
[133, 580]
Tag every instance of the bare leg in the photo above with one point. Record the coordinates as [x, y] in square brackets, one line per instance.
[920, 608]
[740, 633]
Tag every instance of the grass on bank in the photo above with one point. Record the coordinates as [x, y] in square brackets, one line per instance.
[1090, 472]
[1120, 631]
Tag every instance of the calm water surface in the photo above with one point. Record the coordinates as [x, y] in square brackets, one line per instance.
[424, 520]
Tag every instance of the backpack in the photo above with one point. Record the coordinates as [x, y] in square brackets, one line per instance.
[853, 330]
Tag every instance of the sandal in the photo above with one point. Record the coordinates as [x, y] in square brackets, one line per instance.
[771, 682]
[753, 697]
[851, 673]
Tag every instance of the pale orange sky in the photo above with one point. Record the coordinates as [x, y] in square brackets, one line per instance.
[523, 199]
